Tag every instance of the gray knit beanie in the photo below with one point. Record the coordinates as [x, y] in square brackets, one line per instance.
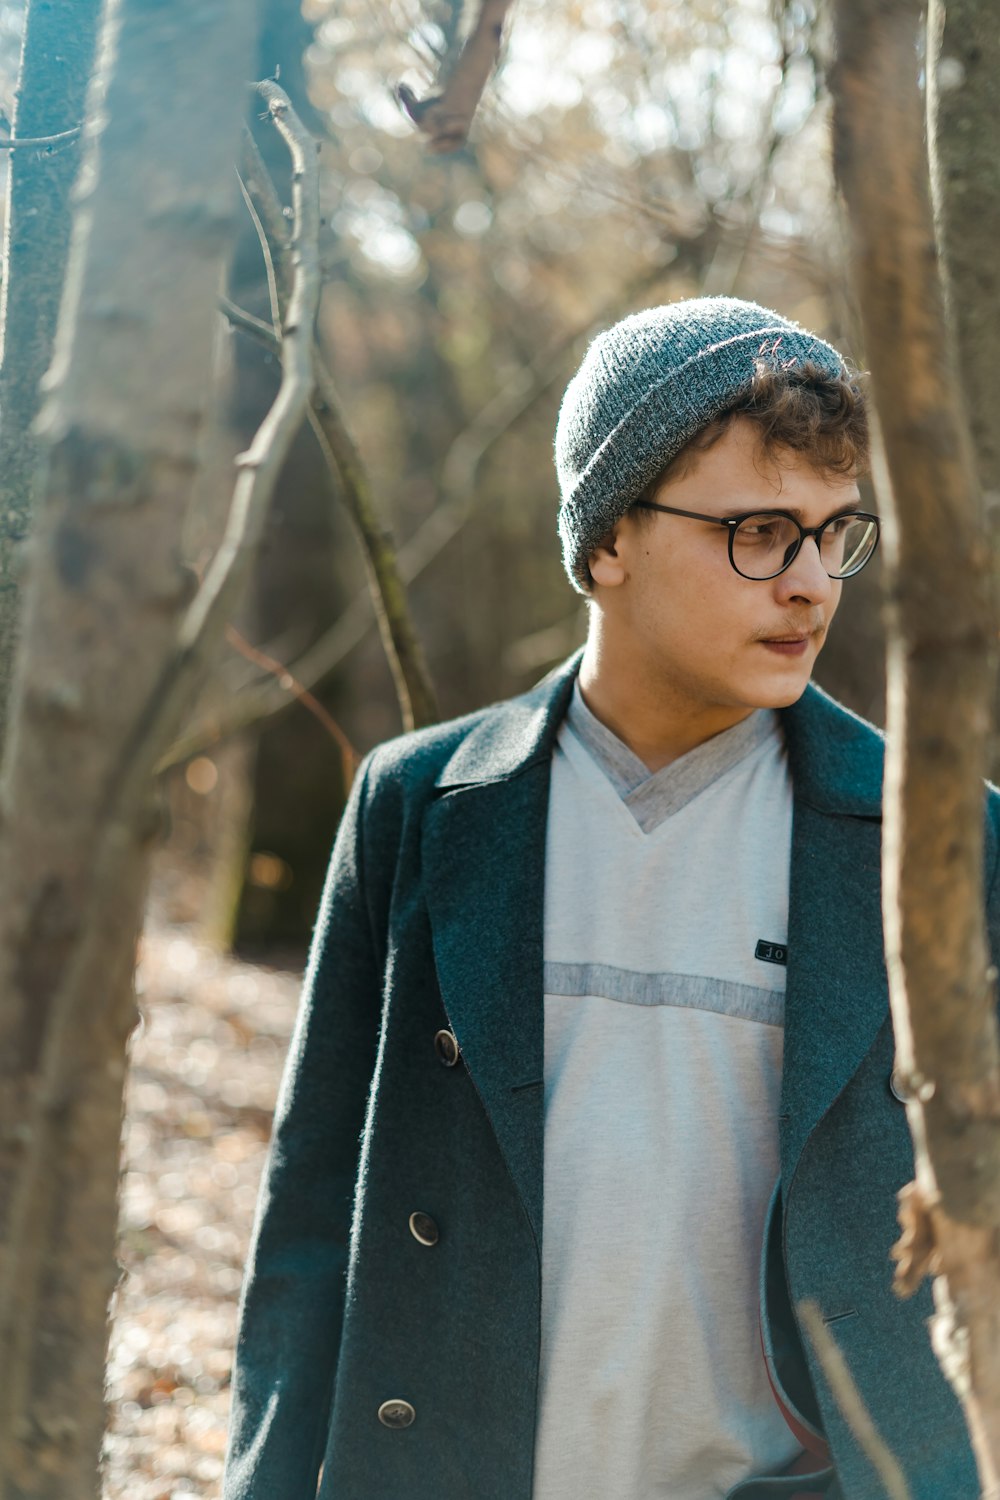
[644, 389]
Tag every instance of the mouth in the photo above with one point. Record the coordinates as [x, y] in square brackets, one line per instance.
[788, 645]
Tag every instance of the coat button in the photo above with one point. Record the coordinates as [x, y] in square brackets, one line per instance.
[424, 1229]
[896, 1087]
[396, 1414]
[446, 1047]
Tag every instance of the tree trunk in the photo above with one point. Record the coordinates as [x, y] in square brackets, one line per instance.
[942, 629]
[963, 65]
[57, 55]
[104, 596]
[963, 131]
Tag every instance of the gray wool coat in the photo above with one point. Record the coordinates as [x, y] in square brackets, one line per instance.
[432, 921]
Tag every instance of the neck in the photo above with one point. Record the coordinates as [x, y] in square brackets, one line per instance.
[655, 719]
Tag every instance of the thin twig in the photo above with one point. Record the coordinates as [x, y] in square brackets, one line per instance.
[348, 755]
[402, 644]
[269, 216]
[248, 323]
[17, 143]
[848, 1398]
[262, 461]
[342, 458]
[272, 282]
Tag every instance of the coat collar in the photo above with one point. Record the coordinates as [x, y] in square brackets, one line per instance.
[835, 757]
[516, 734]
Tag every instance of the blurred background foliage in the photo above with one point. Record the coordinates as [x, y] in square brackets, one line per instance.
[625, 154]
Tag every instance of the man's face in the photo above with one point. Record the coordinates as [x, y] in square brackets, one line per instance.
[678, 613]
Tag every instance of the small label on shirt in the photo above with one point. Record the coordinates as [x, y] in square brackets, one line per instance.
[771, 953]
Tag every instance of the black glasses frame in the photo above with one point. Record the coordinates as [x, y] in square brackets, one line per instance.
[732, 522]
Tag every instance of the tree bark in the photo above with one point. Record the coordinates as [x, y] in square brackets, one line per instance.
[963, 124]
[942, 629]
[445, 118]
[57, 56]
[963, 132]
[104, 597]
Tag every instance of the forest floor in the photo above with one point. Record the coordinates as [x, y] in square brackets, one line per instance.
[206, 1063]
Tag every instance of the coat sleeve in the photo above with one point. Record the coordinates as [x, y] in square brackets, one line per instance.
[992, 873]
[291, 1308]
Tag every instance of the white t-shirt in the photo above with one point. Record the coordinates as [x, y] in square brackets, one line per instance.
[666, 910]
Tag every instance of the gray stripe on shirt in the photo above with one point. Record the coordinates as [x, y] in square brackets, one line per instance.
[725, 997]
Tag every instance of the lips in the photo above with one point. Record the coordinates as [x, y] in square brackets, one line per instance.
[791, 637]
[787, 645]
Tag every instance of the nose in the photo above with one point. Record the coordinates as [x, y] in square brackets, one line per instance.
[806, 579]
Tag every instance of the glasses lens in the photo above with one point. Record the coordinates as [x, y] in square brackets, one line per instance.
[763, 545]
[847, 544]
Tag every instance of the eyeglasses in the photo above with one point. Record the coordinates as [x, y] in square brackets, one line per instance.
[764, 543]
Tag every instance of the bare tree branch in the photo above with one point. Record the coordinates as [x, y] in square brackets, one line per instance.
[446, 117]
[349, 756]
[268, 214]
[262, 702]
[261, 463]
[272, 284]
[417, 700]
[248, 323]
[404, 651]
[343, 459]
[20, 143]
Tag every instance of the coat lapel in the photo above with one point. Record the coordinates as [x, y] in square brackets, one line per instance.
[484, 879]
[837, 994]
[836, 997]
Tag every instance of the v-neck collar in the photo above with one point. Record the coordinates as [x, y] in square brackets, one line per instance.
[653, 796]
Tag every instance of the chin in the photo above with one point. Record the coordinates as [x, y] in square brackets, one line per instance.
[780, 694]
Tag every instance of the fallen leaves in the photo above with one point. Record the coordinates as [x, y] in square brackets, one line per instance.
[206, 1064]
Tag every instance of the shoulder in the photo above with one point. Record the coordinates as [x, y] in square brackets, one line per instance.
[490, 744]
[409, 765]
[838, 763]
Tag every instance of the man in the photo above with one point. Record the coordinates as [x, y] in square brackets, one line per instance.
[608, 958]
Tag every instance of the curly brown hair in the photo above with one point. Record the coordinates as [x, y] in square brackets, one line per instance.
[802, 408]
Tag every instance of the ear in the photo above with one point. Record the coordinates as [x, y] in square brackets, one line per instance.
[606, 562]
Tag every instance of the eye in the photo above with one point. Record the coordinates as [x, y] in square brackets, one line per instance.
[760, 528]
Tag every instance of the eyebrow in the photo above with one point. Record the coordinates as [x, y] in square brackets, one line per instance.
[795, 511]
